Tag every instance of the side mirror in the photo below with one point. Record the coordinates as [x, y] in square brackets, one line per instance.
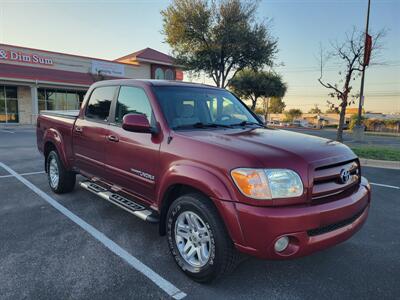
[136, 123]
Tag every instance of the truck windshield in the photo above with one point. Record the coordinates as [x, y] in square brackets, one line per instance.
[191, 107]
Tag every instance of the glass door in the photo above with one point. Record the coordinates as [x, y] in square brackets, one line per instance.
[8, 104]
[3, 116]
[12, 111]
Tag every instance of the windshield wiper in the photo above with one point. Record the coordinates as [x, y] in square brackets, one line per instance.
[215, 125]
[244, 123]
[203, 125]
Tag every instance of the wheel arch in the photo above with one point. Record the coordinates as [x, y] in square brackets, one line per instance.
[53, 141]
[48, 147]
[225, 209]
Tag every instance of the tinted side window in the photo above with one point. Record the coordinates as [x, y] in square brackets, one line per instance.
[132, 100]
[99, 104]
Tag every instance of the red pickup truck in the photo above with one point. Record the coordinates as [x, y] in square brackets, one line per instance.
[198, 162]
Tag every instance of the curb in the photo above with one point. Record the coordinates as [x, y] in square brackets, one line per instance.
[384, 164]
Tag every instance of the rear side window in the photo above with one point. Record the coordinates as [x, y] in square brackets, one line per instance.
[99, 104]
[132, 100]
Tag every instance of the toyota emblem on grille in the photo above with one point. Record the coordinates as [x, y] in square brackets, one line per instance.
[344, 176]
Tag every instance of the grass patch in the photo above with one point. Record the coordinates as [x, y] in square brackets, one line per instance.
[380, 153]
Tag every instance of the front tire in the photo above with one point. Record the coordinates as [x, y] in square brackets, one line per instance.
[60, 180]
[198, 239]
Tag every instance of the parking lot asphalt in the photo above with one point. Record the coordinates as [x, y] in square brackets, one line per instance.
[43, 254]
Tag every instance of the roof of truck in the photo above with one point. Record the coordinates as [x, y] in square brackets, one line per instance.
[155, 82]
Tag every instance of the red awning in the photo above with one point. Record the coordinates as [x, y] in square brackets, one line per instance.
[45, 74]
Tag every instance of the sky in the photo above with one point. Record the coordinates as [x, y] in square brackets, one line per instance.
[111, 29]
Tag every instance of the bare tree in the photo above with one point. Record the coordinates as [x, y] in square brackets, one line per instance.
[349, 56]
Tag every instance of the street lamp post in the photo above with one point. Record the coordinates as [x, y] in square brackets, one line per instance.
[359, 128]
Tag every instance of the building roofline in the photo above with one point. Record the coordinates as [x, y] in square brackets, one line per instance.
[157, 62]
[147, 55]
[67, 54]
[131, 55]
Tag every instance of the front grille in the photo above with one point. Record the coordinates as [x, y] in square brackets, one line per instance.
[332, 227]
[328, 180]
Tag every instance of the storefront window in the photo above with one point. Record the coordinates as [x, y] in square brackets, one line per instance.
[11, 92]
[72, 101]
[60, 100]
[50, 99]
[169, 74]
[8, 104]
[159, 73]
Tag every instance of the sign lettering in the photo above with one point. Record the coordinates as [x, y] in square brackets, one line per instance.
[107, 68]
[17, 56]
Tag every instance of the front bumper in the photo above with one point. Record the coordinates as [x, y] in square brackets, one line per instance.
[309, 228]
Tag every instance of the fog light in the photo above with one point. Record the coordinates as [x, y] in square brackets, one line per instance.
[281, 244]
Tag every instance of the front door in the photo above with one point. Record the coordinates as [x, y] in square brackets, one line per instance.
[90, 131]
[132, 157]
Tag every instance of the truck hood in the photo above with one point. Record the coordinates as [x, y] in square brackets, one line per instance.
[275, 148]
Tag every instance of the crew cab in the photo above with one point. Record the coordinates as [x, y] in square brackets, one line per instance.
[195, 160]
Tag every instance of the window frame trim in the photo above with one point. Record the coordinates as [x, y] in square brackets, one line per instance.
[110, 113]
[114, 107]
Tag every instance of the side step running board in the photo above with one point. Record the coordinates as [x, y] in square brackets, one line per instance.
[130, 206]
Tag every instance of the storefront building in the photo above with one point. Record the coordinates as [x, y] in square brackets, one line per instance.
[32, 80]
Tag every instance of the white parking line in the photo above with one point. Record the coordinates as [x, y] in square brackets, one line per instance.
[385, 185]
[6, 130]
[162, 283]
[23, 174]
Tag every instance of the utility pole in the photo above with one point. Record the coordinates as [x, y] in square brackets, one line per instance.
[359, 130]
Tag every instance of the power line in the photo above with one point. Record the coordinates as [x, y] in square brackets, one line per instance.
[327, 96]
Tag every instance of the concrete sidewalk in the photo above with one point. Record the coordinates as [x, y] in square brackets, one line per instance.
[384, 164]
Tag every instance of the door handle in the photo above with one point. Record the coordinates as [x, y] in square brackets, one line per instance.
[78, 129]
[113, 138]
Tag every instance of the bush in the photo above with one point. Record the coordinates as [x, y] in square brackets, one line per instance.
[377, 124]
[353, 121]
[392, 123]
[259, 111]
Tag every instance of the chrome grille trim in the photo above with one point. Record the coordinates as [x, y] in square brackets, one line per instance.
[327, 182]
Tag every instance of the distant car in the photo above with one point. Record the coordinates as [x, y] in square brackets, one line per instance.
[296, 122]
[302, 123]
[308, 125]
[274, 123]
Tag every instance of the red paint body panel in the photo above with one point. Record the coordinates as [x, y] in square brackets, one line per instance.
[134, 151]
[296, 221]
[147, 165]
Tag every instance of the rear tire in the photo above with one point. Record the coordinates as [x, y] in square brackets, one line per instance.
[204, 252]
[60, 180]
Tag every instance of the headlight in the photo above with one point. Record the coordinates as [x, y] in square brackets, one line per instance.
[268, 183]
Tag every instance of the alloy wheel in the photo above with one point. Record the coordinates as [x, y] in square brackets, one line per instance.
[193, 239]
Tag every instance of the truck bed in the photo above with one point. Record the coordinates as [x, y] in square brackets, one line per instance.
[59, 123]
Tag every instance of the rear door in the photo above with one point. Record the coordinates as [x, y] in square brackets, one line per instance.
[132, 157]
[90, 132]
